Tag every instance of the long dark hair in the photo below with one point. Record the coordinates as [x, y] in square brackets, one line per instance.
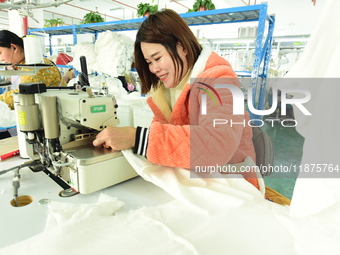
[7, 38]
[165, 27]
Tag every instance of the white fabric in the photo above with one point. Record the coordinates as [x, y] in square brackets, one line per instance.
[87, 50]
[115, 87]
[321, 59]
[111, 54]
[194, 191]
[169, 229]
[210, 216]
[114, 53]
[7, 116]
[59, 212]
[15, 81]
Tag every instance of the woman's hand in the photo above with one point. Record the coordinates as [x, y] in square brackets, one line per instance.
[117, 138]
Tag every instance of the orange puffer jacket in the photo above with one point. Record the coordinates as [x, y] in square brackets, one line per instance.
[188, 138]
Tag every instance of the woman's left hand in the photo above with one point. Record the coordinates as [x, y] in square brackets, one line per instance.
[117, 138]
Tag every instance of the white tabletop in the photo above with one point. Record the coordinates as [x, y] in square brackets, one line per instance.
[19, 223]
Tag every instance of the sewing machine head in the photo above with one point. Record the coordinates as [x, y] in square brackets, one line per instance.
[53, 118]
[63, 113]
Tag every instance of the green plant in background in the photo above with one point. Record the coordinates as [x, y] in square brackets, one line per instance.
[145, 9]
[201, 5]
[53, 22]
[92, 17]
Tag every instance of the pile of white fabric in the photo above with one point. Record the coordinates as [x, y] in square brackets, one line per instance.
[87, 50]
[114, 53]
[111, 54]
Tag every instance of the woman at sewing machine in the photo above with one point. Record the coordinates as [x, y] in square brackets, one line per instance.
[12, 51]
[168, 57]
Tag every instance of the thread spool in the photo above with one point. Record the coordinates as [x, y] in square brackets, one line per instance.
[33, 53]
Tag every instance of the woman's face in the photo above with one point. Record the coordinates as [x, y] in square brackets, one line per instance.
[161, 64]
[11, 55]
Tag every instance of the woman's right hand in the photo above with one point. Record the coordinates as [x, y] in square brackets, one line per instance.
[116, 138]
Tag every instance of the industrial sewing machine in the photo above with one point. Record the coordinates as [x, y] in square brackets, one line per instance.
[60, 125]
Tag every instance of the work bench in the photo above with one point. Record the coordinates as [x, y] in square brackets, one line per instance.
[20, 223]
